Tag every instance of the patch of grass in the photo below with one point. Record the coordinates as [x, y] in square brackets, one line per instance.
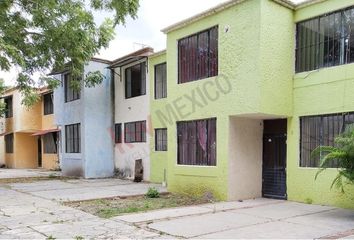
[308, 201]
[107, 208]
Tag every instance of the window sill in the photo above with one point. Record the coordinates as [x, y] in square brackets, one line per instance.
[72, 100]
[135, 96]
[200, 171]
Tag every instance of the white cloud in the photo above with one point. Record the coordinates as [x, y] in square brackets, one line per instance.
[153, 16]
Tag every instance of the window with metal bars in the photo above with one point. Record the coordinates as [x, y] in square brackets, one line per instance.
[135, 80]
[196, 143]
[8, 107]
[70, 93]
[198, 56]
[135, 132]
[73, 138]
[118, 133]
[48, 103]
[9, 143]
[325, 41]
[320, 131]
[161, 139]
[160, 81]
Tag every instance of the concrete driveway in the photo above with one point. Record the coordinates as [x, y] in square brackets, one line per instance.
[34, 211]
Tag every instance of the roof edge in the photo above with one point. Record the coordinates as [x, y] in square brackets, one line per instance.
[228, 4]
[159, 53]
[308, 3]
[206, 13]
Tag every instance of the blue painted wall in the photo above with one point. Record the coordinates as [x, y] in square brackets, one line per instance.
[94, 111]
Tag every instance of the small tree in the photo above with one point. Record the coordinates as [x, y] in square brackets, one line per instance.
[343, 154]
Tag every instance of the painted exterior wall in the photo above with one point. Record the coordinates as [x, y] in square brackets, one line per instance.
[132, 110]
[323, 91]
[245, 158]
[245, 87]
[94, 113]
[158, 160]
[24, 123]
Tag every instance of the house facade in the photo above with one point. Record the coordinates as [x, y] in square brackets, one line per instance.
[252, 87]
[85, 120]
[33, 128]
[132, 114]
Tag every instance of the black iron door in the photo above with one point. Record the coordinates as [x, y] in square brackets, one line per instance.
[39, 152]
[274, 166]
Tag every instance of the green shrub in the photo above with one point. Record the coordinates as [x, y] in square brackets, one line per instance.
[152, 193]
[343, 154]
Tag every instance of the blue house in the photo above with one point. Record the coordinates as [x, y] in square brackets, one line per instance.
[85, 120]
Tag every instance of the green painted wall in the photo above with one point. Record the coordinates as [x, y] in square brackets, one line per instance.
[242, 55]
[158, 160]
[256, 67]
[323, 7]
[323, 91]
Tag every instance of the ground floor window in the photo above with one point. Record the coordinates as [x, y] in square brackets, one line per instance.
[135, 132]
[9, 143]
[161, 139]
[50, 141]
[197, 142]
[118, 133]
[320, 131]
[73, 138]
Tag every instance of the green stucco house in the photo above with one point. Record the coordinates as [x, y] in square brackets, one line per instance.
[245, 91]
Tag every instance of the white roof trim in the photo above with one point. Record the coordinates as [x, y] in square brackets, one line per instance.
[228, 4]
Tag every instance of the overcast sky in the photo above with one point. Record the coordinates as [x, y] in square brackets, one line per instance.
[153, 16]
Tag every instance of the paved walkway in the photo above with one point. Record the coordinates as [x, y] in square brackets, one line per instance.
[34, 210]
[26, 173]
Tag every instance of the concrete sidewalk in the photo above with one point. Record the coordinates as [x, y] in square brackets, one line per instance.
[253, 219]
[83, 189]
[6, 173]
[34, 211]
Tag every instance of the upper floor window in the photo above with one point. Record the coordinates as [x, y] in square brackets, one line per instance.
[320, 131]
[198, 56]
[135, 80]
[8, 107]
[160, 81]
[48, 103]
[325, 41]
[70, 93]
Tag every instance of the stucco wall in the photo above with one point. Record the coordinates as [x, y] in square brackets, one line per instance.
[245, 158]
[71, 164]
[26, 151]
[98, 125]
[254, 51]
[132, 110]
[94, 112]
[158, 159]
[318, 92]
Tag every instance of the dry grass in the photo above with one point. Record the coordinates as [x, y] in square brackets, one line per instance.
[107, 208]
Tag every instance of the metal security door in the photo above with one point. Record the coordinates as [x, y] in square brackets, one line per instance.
[274, 166]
